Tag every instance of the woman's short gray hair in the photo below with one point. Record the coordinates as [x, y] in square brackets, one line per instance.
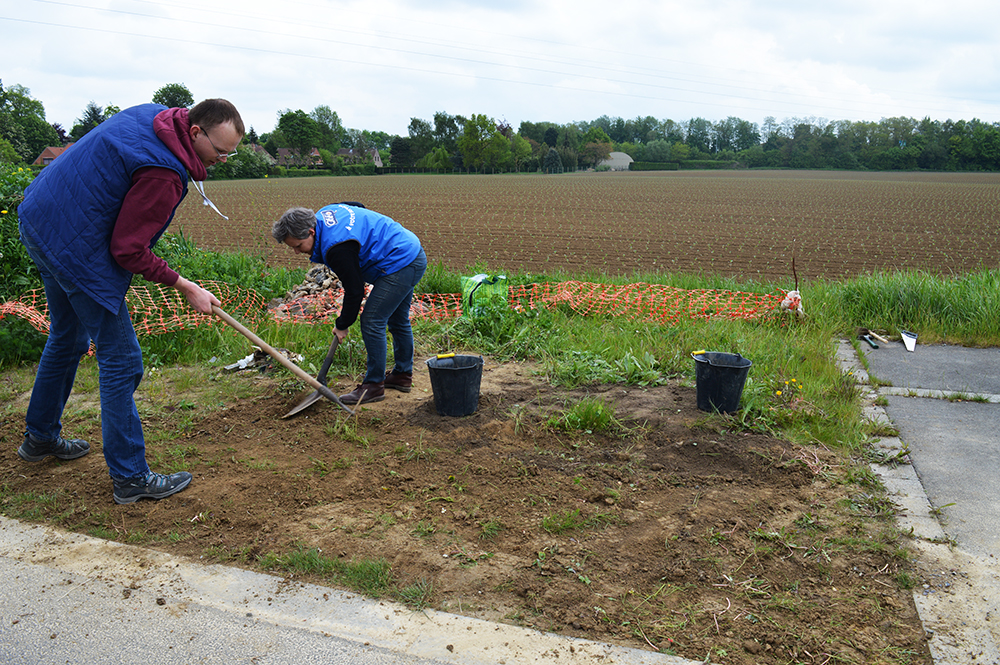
[296, 222]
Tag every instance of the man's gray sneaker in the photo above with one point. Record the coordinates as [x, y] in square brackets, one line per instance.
[150, 486]
[33, 450]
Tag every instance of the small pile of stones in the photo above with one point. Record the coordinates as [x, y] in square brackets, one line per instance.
[318, 279]
[307, 298]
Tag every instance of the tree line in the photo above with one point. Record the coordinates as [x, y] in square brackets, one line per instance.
[444, 143]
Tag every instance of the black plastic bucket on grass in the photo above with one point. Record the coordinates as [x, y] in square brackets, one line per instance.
[720, 378]
[455, 381]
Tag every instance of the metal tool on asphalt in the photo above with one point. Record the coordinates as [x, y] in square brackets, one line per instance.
[870, 336]
[321, 377]
[285, 362]
[878, 337]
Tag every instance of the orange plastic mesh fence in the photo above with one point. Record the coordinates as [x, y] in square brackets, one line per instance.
[154, 309]
[651, 302]
[158, 310]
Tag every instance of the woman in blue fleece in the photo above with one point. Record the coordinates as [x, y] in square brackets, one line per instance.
[361, 245]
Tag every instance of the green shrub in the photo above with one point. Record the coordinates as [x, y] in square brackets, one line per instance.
[19, 342]
[16, 267]
[368, 168]
[7, 153]
[708, 164]
[653, 166]
[300, 172]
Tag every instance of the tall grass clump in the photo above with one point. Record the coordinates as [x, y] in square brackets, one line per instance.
[218, 345]
[962, 309]
[496, 330]
[438, 279]
[241, 269]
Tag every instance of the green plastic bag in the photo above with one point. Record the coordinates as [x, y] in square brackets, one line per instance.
[481, 291]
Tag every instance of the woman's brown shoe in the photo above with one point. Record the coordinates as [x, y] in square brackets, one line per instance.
[366, 392]
[401, 381]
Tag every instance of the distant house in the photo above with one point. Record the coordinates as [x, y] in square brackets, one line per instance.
[289, 157]
[50, 154]
[352, 157]
[259, 149]
[617, 161]
[349, 156]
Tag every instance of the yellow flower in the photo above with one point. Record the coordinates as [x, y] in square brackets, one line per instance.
[3, 211]
[778, 393]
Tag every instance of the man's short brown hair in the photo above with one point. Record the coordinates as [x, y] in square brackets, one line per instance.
[214, 112]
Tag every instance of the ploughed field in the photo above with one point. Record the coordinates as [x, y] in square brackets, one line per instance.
[744, 224]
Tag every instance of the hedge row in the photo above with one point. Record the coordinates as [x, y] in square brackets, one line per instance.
[653, 166]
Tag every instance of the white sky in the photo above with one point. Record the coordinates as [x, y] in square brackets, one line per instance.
[378, 63]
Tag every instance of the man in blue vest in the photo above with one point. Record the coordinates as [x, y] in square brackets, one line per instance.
[361, 245]
[89, 221]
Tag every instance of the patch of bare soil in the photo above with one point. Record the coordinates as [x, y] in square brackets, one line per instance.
[680, 535]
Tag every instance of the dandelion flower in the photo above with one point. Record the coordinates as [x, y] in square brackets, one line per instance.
[778, 393]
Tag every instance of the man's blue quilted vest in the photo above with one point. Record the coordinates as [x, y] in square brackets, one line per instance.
[71, 207]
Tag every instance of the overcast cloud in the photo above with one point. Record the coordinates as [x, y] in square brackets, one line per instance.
[378, 63]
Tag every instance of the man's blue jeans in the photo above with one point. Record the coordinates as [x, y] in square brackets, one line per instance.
[75, 319]
[388, 307]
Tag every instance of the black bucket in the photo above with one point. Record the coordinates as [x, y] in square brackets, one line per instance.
[720, 378]
[455, 381]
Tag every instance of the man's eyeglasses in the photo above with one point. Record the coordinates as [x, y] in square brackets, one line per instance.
[222, 155]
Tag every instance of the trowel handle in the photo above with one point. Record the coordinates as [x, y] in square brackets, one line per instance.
[321, 377]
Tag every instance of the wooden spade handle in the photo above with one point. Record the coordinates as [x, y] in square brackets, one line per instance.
[288, 364]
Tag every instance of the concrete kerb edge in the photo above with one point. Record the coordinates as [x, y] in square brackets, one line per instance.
[951, 641]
